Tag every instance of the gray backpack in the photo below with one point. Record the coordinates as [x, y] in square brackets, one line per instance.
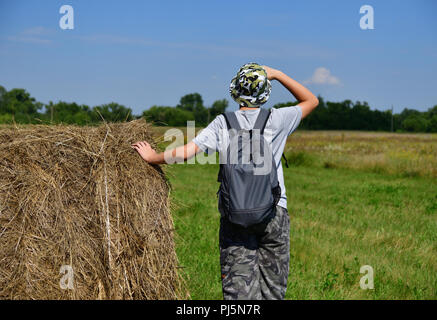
[249, 188]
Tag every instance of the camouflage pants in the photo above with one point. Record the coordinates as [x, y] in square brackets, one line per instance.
[255, 261]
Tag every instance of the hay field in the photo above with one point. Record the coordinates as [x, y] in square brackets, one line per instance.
[393, 153]
[354, 198]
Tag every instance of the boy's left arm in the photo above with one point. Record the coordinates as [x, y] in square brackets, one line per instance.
[178, 154]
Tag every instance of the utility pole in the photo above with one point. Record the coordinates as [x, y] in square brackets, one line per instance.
[391, 127]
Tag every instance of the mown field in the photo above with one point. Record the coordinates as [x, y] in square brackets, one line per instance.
[354, 198]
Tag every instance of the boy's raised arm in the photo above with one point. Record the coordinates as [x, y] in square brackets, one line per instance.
[307, 100]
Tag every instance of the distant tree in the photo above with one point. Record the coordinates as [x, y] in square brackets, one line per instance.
[360, 116]
[6, 118]
[432, 119]
[19, 101]
[339, 115]
[399, 118]
[285, 104]
[317, 119]
[65, 112]
[2, 95]
[112, 112]
[193, 102]
[171, 116]
[381, 120]
[414, 123]
[432, 124]
[432, 112]
[19, 104]
[218, 107]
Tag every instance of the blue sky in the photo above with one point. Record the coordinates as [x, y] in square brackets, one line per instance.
[144, 53]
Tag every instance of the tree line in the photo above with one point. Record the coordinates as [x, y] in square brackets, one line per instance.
[18, 106]
[347, 115]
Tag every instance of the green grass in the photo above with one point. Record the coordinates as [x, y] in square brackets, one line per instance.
[341, 219]
[354, 198]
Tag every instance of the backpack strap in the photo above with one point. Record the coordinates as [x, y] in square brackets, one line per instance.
[286, 161]
[231, 121]
[261, 121]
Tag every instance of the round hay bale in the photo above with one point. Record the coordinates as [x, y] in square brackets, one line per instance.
[83, 217]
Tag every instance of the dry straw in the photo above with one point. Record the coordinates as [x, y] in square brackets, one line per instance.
[81, 197]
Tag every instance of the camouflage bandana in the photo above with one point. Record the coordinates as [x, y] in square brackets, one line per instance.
[250, 87]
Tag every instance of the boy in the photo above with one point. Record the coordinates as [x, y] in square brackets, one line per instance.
[254, 260]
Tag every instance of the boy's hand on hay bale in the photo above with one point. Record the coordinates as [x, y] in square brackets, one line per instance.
[145, 150]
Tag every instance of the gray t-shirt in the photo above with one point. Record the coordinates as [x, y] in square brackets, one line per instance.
[281, 123]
